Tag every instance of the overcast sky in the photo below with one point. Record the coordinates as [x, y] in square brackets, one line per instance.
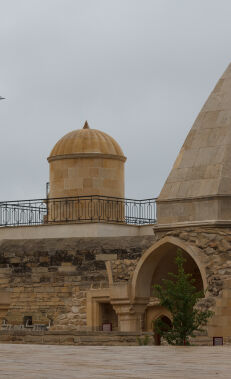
[139, 70]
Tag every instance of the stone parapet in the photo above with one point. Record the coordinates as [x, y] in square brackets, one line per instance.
[85, 230]
[67, 337]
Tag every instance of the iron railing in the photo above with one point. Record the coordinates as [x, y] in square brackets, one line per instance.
[77, 210]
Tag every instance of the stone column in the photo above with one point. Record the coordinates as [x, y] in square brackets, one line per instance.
[129, 316]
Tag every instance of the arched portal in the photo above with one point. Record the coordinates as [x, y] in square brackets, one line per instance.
[159, 260]
[154, 266]
[152, 313]
[166, 324]
[167, 264]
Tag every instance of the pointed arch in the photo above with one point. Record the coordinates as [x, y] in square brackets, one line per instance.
[142, 276]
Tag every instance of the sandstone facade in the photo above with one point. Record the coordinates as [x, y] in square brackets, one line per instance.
[48, 279]
[54, 280]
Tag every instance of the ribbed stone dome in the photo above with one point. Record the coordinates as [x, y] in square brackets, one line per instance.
[86, 141]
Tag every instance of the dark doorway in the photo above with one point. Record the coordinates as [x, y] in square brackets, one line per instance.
[108, 316]
[167, 321]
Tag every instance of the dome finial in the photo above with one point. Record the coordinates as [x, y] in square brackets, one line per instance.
[86, 126]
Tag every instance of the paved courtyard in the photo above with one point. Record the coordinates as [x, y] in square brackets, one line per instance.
[70, 362]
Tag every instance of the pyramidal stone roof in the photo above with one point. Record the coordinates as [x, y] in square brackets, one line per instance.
[203, 165]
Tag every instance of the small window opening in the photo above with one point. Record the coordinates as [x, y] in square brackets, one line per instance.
[27, 321]
[4, 321]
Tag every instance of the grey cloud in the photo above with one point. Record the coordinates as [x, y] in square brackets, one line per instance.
[138, 70]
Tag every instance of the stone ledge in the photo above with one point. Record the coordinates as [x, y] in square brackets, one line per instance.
[73, 338]
[73, 230]
[186, 224]
[89, 338]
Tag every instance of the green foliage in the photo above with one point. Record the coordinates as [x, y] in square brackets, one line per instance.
[143, 341]
[179, 296]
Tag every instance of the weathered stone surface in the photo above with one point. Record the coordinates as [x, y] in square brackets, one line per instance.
[106, 257]
[215, 251]
[48, 278]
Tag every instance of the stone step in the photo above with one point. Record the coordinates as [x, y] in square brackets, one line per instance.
[75, 338]
[202, 341]
[98, 338]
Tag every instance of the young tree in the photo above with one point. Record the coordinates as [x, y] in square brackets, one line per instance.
[179, 296]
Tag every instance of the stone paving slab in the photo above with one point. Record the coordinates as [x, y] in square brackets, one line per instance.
[98, 362]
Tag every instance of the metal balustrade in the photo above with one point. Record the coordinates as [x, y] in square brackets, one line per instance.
[78, 210]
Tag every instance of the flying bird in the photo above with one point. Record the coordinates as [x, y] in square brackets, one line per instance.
[2, 98]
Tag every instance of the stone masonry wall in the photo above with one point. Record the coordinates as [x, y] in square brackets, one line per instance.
[48, 278]
[215, 246]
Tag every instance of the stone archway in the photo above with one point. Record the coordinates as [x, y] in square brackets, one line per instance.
[166, 320]
[152, 313]
[132, 301]
[158, 260]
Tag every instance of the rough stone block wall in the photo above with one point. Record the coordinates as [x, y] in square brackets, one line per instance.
[215, 249]
[48, 278]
